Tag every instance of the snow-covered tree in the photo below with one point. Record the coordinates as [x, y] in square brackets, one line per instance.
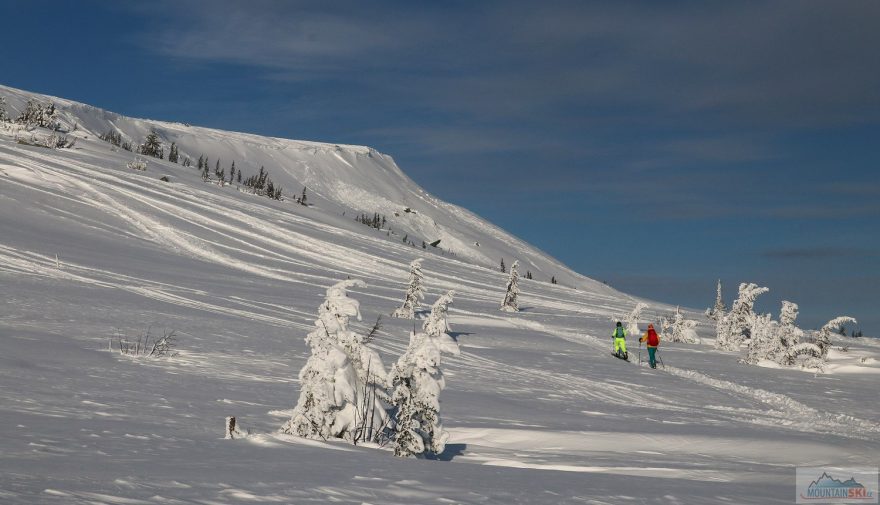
[152, 146]
[681, 329]
[789, 334]
[631, 320]
[4, 116]
[436, 322]
[735, 326]
[764, 342]
[415, 293]
[341, 381]
[173, 154]
[417, 380]
[815, 355]
[32, 115]
[510, 297]
[717, 311]
[823, 338]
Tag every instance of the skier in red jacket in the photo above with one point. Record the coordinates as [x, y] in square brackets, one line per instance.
[652, 340]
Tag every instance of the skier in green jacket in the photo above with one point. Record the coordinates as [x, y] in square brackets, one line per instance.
[619, 336]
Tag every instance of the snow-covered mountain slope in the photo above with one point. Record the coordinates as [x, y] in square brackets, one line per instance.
[339, 178]
[538, 410]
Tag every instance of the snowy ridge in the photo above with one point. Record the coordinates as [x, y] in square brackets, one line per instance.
[339, 178]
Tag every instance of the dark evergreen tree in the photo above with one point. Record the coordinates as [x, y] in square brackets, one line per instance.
[32, 115]
[553, 280]
[503, 268]
[152, 146]
[173, 155]
[232, 172]
[302, 199]
[201, 164]
[4, 116]
[239, 176]
[114, 138]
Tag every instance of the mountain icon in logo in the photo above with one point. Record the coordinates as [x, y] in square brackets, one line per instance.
[828, 482]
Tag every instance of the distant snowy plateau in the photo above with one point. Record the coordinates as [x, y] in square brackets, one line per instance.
[538, 411]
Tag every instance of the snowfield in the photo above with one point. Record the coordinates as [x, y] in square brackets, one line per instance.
[537, 409]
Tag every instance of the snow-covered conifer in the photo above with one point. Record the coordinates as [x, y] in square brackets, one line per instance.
[4, 116]
[152, 146]
[823, 338]
[789, 334]
[764, 341]
[417, 380]
[632, 320]
[510, 303]
[436, 322]
[681, 329]
[736, 325]
[717, 311]
[173, 154]
[415, 293]
[810, 355]
[339, 381]
[32, 115]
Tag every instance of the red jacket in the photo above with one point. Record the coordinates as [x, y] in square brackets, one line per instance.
[651, 338]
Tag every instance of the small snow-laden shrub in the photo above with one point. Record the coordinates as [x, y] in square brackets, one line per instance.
[415, 293]
[680, 329]
[50, 141]
[137, 164]
[146, 345]
[510, 303]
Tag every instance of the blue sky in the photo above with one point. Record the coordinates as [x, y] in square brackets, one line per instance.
[654, 145]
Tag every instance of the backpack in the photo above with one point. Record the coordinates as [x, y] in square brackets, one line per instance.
[653, 339]
[619, 332]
